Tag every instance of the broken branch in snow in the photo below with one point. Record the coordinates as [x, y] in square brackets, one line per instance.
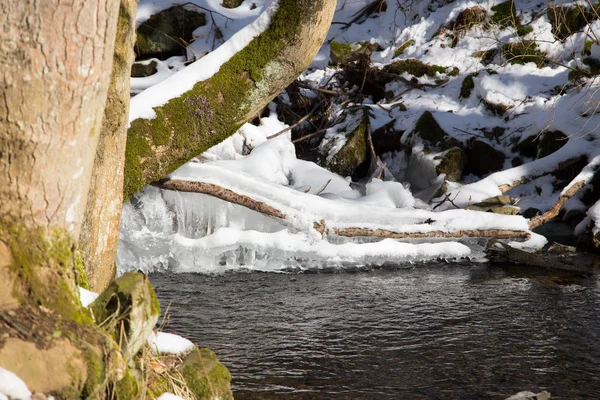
[528, 178]
[320, 226]
[553, 212]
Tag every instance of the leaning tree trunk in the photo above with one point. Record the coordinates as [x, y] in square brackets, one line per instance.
[55, 63]
[100, 232]
[215, 108]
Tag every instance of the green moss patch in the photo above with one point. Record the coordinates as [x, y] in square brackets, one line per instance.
[523, 52]
[504, 14]
[344, 53]
[566, 20]
[419, 69]
[403, 47]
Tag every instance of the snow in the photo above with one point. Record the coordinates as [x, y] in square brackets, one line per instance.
[193, 232]
[11, 386]
[169, 396]
[162, 342]
[87, 297]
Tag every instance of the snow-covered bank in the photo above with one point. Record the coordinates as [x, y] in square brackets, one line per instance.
[485, 105]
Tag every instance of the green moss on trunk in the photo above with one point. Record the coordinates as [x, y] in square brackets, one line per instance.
[215, 108]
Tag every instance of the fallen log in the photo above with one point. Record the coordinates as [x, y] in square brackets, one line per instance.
[320, 226]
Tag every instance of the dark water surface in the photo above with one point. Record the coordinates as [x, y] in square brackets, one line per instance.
[430, 332]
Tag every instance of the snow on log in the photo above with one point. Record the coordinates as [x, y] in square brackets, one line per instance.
[321, 216]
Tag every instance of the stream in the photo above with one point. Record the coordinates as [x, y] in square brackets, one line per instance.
[452, 331]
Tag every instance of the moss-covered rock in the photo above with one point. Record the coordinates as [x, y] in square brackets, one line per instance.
[428, 129]
[498, 205]
[483, 158]
[418, 68]
[523, 52]
[143, 69]
[550, 142]
[451, 163]
[354, 152]
[567, 20]
[168, 32]
[400, 50]
[199, 373]
[467, 86]
[128, 309]
[344, 53]
[205, 376]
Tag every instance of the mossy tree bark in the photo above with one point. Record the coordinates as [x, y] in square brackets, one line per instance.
[54, 76]
[100, 232]
[215, 108]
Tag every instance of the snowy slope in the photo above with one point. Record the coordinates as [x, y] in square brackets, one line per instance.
[190, 232]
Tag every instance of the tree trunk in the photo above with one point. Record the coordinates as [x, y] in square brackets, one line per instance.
[54, 76]
[215, 108]
[100, 232]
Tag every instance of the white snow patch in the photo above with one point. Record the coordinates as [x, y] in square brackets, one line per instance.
[162, 342]
[12, 386]
[87, 297]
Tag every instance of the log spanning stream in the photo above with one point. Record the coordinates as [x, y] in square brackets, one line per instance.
[473, 331]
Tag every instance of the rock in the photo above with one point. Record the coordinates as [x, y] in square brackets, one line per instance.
[556, 231]
[168, 33]
[232, 3]
[143, 69]
[128, 309]
[354, 152]
[206, 377]
[452, 163]
[482, 158]
[530, 396]
[387, 138]
[567, 20]
[550, 142]
[344, 53]
[467, 87]
[428, 129]
[199, 370]
[498, 205]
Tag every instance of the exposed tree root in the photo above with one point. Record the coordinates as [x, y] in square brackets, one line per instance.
[321, 226]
